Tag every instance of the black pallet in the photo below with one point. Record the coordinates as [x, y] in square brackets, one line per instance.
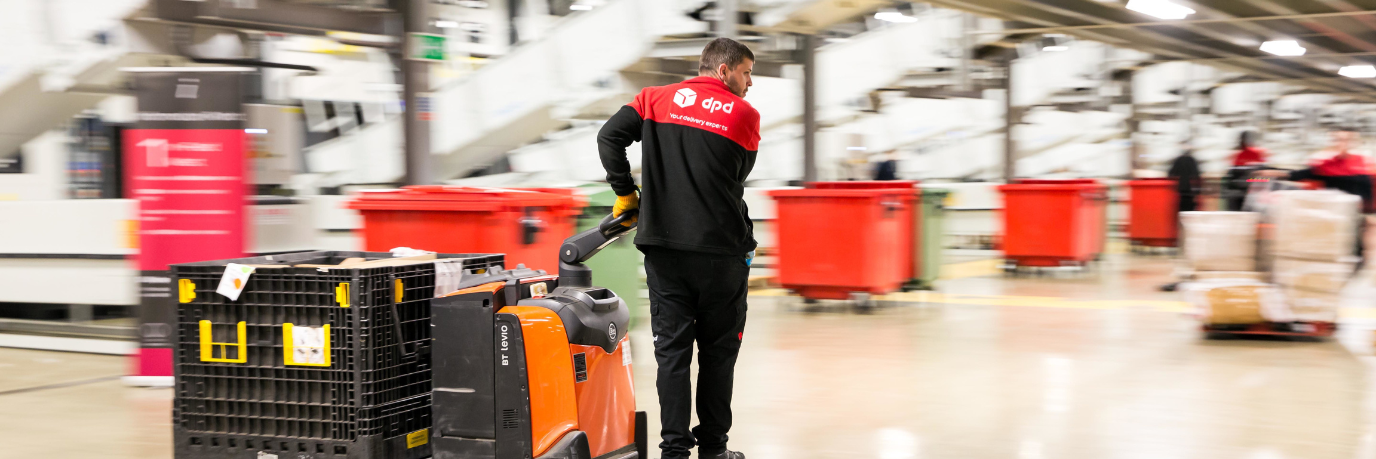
[376, 388]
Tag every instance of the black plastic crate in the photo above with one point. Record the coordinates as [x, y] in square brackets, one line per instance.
[376, 385]
[395, 431]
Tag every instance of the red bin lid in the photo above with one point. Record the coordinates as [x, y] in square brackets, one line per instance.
[1055, 181]
[1147, 182]
[859, 193]
[462, 198]
[863, 184]
[1016, 187]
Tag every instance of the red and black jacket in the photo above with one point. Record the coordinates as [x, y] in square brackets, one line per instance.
[698, 144]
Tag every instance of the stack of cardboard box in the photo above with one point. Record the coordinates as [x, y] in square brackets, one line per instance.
[1220, 251]
[1315, 246]
[1220, 244]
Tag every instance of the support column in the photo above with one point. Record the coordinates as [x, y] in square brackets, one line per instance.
[1010, 118]
[968, 26]
[415, 75]
[1134, 126]
[726, 24]
[809, 58]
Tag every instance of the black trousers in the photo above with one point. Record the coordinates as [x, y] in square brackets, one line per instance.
[695, 298]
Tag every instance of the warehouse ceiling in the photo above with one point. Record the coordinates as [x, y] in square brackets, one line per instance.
[1222, 33]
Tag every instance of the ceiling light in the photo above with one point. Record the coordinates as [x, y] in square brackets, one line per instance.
[1161, 9]
[446, 24]
[1358, 71]
[1283, 48]
[893, 16]
[580, 7]
[1055, 48]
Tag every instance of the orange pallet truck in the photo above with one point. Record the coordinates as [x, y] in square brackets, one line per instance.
[530, 365]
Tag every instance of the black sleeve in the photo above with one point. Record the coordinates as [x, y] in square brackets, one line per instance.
[1302, 174]
[620, 131]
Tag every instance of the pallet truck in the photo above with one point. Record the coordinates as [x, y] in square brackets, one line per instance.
[528, 365]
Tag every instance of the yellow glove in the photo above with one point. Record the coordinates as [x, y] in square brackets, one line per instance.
[625, 203]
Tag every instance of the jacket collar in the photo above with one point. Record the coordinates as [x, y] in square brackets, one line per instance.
[710, 81]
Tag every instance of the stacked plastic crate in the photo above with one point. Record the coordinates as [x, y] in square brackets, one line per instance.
[314, 359]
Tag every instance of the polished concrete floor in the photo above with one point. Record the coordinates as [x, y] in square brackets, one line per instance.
[1071, 365]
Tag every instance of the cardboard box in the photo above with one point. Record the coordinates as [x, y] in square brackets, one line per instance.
[1315, 225]
[1220, 241]
[1314, 276]
[1253, 276]
[1312, 306]
[1234, 302]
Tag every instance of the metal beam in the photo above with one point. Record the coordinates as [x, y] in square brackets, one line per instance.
[1070, 13]
[1131, 25]
[1318, 26]
[1267, 57]
[1085, 9]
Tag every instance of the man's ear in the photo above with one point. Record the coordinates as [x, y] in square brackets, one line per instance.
[721, 70]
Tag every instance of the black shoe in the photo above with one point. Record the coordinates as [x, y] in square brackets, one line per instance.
[728, 454]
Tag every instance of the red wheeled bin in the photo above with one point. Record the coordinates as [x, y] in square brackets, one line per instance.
[527, 224]
[1054, 222]
[833, 243]
[1152, 210]
[910, 247]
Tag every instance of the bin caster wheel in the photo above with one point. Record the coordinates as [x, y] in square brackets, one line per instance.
[863, 302]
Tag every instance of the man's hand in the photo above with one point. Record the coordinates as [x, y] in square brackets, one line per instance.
[625, 203]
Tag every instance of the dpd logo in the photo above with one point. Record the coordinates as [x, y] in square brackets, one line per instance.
[685, 97]
[713, 105]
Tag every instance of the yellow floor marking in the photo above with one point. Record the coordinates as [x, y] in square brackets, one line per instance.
[971, 269]
[1052, 302]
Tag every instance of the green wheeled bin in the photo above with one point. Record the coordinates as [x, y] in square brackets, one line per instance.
[933, 236]
[618, 266]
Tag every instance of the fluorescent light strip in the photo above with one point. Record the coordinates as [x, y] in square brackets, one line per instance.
[1283, 48]
[894, 16]
[1358, 71]
[1160, 9]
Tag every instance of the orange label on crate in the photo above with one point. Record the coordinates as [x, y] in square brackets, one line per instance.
[417, 438]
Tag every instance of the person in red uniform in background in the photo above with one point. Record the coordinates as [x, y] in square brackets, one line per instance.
[1339, 168]
[1249, 159]
[1248, 154]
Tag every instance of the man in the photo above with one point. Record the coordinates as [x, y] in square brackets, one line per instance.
[1339, 168]
[1185, 171]
[1249, 159]
[698, 143]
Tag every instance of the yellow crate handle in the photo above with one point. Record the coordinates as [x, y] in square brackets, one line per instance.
[289, 347]
[208, 346]
[341, 294]
[398, 290]
[186, 290]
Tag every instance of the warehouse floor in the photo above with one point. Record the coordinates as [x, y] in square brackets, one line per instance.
[1095, 365]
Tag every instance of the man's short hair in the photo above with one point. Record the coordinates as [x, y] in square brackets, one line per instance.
[723, 51]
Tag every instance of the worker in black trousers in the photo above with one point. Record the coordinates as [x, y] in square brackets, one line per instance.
[698, 143]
